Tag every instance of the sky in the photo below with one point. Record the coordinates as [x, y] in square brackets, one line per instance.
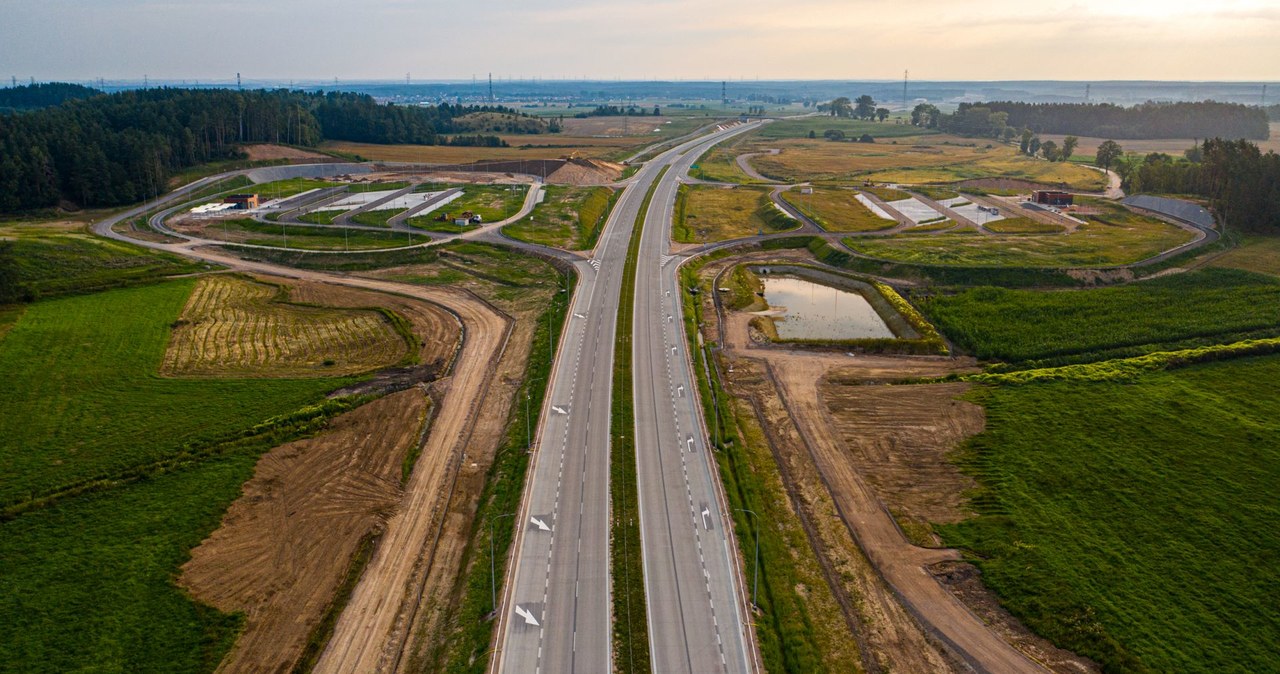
[638, 39]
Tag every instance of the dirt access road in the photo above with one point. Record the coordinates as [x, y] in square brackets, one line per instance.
[903, 566]
[371, 633]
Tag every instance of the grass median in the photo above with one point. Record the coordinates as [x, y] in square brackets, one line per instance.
[630, 619]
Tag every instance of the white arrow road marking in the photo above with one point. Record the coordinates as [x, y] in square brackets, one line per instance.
[559, 410]
[540, 524]
[680, 391]
[691, 443]
[578, 315]
[673, 350]
[528, 617]
[706, 513]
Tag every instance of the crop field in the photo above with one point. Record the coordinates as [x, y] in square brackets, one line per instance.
[1107, 239]
[1177, 311]
[837, 210]
[236, 327]
[1148, 542]
[570, 218]
[706, 214]
[59, 258]
[936, 159]
[1256, 253]
[244, 230]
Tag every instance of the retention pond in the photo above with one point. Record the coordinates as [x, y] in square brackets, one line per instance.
[812, 311]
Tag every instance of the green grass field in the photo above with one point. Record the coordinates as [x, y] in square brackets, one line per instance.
[1023, 226]
[376, 218]
[280, 189]
[1136, 522]
[1106, 240]
[83, 402]
[319, 217]
[257, 233]
[491, 202]
[54, 260]
[852, 128]
[112, 474]
[837, 210]
[1178, 311]
[705, 214]
[568, 217]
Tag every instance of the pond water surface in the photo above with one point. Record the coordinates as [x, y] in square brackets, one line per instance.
[815, 311]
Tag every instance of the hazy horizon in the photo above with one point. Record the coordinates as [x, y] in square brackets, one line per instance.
[808, 40]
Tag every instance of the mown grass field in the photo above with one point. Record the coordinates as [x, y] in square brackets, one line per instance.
[83, 401]
[837, 210]
[56, 259]
[706, 214]
[1135, 522]
[1178, 311]
[570, 218]
[1111, 239]
[232, 326]
[933, 159]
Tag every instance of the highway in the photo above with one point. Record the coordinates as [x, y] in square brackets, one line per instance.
[556, 610]
[696, 614]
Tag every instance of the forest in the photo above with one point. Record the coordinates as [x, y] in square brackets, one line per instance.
[1206, 119]
[43, 95]
[1242, 183]
[110, 150]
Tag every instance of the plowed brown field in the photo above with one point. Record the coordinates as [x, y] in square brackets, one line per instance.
[284, 546]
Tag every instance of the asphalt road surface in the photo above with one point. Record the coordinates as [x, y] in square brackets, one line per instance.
[696, 614]
[556, 613]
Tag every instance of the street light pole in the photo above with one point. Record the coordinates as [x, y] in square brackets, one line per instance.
[493, 576]
[755, 583]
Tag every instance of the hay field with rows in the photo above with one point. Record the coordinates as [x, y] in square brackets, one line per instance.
[232, 326]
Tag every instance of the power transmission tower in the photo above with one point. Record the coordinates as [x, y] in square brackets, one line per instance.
[906, 75]
[1264, 95]
[145, 81]
[238, 87]
[724, 96]
[1087, 87]
[490, 87]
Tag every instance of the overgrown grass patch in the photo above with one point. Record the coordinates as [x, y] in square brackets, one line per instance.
[837, 210]
[1134, 521]
[1177, 311]
[568, 217]
[52, 260]
[82, 400]
[706, 214]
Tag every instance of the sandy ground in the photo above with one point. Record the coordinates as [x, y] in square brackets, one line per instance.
[852, 448]
[284, 546]
[612, 126]
[265, 151]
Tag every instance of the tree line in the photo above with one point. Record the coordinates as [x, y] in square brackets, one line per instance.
[43, 95]
[1241, 183]
[619, 111]
[1205, 119]
[863, 107]
[109, 150]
